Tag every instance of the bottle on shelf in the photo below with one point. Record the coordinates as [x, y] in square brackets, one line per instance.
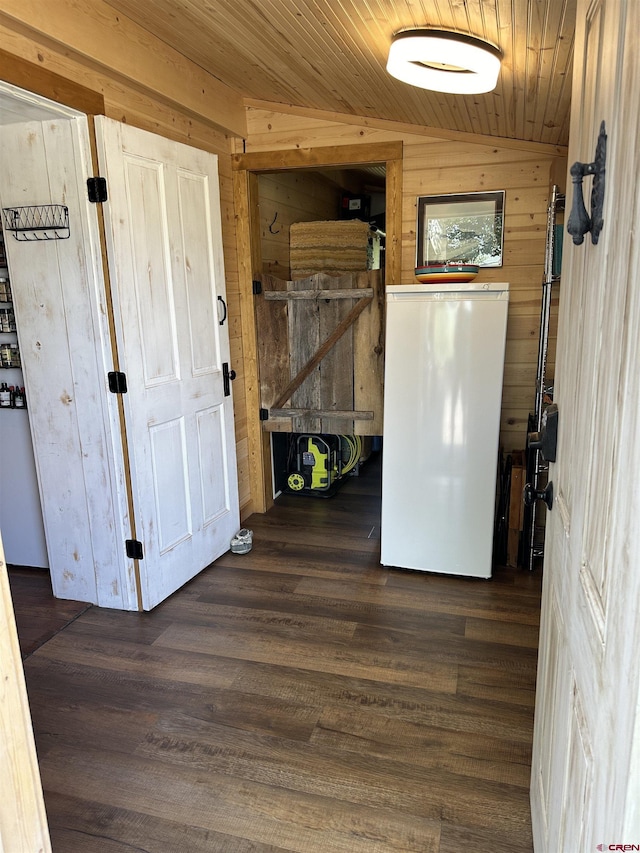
[5, 396]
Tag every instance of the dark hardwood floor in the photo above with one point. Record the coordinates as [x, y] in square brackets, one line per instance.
[39, 616]
[297, 698]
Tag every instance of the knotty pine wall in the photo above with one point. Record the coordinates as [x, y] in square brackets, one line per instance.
[435, 165]
[144, 83]
[131, 63]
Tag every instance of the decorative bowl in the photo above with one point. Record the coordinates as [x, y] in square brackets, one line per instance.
[438, 273]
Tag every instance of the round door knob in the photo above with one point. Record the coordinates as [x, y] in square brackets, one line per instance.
[532, 495]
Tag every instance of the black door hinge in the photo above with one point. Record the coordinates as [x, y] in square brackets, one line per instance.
[117, 382]
[133, 548]
[257, 287]
[264, 414]
[97, 190]
[227, 377]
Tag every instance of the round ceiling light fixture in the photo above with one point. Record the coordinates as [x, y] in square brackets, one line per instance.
[444, 61]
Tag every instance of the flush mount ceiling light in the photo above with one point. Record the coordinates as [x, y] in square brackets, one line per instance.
[444, 61]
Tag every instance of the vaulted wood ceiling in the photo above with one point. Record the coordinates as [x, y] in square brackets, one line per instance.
[331, 55]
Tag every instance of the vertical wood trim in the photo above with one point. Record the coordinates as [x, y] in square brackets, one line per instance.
[245, 190]
[23, 820]
[264, 488]
[115, 360]
[393, 257]
[368, 358]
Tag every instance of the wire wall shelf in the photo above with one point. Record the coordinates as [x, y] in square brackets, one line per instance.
[38, 222]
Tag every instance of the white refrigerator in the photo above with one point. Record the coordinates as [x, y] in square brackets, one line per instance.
[444, 360]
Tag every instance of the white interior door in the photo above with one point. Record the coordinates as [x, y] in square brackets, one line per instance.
[586, 767]
[165, 255]
[59, 302]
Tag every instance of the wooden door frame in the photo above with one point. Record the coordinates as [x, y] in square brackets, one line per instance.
[23, 818]
[34, 78]
[246, 169]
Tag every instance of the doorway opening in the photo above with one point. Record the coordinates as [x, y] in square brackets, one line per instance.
[333, 222]
[21, 517]
[352, 173]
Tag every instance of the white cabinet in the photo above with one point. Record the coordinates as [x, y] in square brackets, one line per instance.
[444, 358]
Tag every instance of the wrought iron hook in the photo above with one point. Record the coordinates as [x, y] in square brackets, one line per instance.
[273, 223]
[579, 220]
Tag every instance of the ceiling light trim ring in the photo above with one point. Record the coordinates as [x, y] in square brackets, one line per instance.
[413, 54]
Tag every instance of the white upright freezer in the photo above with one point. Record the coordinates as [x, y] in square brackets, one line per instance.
[444, 359]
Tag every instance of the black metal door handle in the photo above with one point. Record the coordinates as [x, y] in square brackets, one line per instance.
[532, 495]
[579, 220]
[224, 305]
[227, 377]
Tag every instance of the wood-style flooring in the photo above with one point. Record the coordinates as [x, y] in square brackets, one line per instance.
[39, 616]
[297, 698]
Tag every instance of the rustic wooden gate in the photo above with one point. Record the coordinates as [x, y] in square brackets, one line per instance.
[320, 348]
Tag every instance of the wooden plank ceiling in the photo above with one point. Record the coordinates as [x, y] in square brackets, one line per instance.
[331, 55]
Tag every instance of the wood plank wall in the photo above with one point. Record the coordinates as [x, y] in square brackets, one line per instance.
[288, 197]
[432, 164]
[435, 166]
[129, 102]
